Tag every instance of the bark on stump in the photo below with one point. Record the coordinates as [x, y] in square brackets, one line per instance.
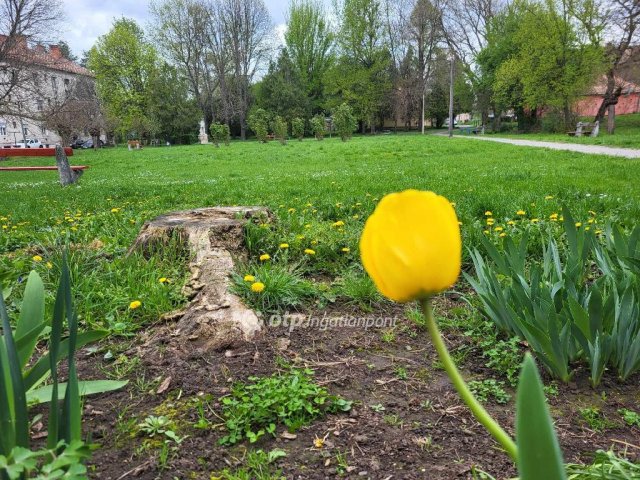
[215, 319]
[67, 175]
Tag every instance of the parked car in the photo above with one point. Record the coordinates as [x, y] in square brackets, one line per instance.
[30, 143]
[78, 143]
[89, 144]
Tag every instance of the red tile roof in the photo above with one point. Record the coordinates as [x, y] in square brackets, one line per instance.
[39, 55]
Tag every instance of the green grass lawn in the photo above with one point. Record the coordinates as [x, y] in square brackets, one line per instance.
[310, 185]
[627, 134]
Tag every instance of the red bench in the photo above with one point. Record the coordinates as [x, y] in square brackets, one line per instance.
[68, 174]
[33, 152]
[26, 169]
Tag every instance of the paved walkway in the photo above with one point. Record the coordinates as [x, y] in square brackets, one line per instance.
[573, 147]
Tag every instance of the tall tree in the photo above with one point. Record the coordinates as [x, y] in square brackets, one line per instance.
[247, 29]
[181, 28]
[309, 42]
[282, 91]
[361, 75]
[123, 63]
[174, 114]
[549, 70]
[425, 32]
[616, 23]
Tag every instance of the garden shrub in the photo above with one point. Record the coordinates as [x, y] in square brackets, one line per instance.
[297, 128]
[318, 126]
[220, 133]
[259, 123]
[344, 121]
[280, 129]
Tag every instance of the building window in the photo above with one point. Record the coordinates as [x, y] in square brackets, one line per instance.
[54, 85]
[40, 105]
[3, 129]
[67, 86]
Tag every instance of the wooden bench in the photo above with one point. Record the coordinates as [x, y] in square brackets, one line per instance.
[27, 169]
[468, 129]
[585, 128]
[68, 174]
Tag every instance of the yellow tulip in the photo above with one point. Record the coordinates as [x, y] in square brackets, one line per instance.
[411, 245]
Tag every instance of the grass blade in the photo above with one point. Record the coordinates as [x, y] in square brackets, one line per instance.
[21, 419]
[539, 454]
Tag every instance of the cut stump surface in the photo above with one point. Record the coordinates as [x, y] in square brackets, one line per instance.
[215, 319]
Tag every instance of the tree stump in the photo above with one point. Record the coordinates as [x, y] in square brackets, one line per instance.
[215, 319]
[67, 176]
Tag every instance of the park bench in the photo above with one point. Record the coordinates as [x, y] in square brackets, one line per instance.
[585, 128]
[68, 174]
[469, 129]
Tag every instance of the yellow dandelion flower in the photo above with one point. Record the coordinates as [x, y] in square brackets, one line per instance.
[36, 258]
[309, 251]
[299, 237]
[511, 222]
[135, 304]
[486, 232]
[284, 246]
[346, 249]
[257, 287]
[521, 212]
[249, 278]
[591, 220]
[264, 257]
[498, 229]
[535, 220]
[291, 210]
[163, 280]
[598, 232]
[490, 221]
[487, 213]
[338, 224]
[318, 442]
[115, 210]
[502, 235]
[49, 265]
[549, 197]
[553, 216]
[578, 224]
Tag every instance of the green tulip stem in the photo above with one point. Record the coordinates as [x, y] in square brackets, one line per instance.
[463, 390]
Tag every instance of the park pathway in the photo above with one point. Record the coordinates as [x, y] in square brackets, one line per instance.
[572, 147]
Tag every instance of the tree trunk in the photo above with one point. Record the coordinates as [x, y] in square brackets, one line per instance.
[610, 97]
[215, 319]
[67, 176]
[611, 120]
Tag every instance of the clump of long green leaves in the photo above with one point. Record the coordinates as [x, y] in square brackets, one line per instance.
[580, 303]
[20, 384]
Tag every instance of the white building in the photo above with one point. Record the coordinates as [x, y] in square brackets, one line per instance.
[46, 80]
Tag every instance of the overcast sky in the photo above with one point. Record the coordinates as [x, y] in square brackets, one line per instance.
[88, 19]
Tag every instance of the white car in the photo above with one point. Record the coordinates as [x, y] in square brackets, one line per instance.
[31, 143]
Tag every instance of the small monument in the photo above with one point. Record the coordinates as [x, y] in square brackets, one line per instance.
[202, 136]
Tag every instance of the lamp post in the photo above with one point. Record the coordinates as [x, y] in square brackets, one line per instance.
[452, 57]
